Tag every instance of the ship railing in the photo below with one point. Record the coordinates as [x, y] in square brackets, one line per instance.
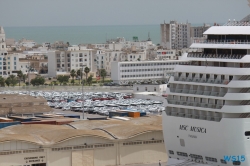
[217, 56]
[205, 80]
[188, 115]
[245, 77]
[245, 90]
[204, 41]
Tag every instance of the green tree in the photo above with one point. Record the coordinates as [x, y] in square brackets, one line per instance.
[24, 77]
[73, 75]
[12, 80]
[62, 79]
[103, 74]
[7, 82]
[89, 80]
[79, 74]
[20, 76]
[2, 81]
[72, 82]
[37, 81]
[86, 71]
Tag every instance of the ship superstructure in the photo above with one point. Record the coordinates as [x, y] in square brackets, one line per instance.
[207, 118]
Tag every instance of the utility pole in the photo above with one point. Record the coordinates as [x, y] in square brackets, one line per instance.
[82, 93]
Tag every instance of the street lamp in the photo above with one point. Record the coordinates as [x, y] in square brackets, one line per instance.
[82, 92]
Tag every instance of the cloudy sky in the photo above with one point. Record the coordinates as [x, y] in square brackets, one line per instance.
[118, 12]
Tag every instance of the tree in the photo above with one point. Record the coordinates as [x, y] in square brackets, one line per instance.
[11, 80]
[79, 74]
[89, 80]
[20, 76]
[2, 81]
[24, 77]
[86, 71]
[73, 74]
[63, 79]
[37, 81]
[72, 82]
[103, 74]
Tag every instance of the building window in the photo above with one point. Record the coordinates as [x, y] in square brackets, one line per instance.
[14, 58]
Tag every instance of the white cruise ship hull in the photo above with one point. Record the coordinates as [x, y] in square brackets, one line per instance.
[224, 140]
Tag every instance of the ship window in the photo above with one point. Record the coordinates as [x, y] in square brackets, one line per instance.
[247, 133]
[171, 152]
[236, 162]
[223, 161]
[182, 142]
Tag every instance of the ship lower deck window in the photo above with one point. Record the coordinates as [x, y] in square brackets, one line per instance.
[223, 161]
[247, 133]
[171, 152]
[182, 154]
[196, 156]
[211, 159]
[236, 162]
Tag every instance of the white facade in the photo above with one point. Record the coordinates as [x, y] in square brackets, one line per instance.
[208, 100]
[166, 54]
[123, 72]
[159, 88]
[65, 61]
[175, 35]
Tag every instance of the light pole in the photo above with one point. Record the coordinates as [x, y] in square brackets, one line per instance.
[82, 93]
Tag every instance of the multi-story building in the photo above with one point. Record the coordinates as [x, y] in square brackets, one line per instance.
[166, 55]
[123, 72]
[65, 61]
[175, 35]
[199, 30]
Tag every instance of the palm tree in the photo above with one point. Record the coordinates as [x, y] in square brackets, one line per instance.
[20, 75]
[73, 74]
[79, 74]
[2, 81]
[86, 70]
[103, 74]
[24, 77]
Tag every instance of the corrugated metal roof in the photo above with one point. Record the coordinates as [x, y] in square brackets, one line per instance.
[106, 129]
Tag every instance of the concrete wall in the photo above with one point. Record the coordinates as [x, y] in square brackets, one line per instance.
[149, 88]
[151, 150]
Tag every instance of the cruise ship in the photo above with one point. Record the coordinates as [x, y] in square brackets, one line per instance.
[207, 118]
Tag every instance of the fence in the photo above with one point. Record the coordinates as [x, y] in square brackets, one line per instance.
[68, 88]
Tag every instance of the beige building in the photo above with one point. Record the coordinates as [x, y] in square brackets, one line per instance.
[12, 104]
[84, 143]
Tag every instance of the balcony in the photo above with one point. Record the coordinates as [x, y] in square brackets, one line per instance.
[198, 92]
[195, 104]
[217, 56]
[205, 41]
[203, 80]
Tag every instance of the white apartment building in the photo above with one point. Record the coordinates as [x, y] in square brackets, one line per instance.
[26, 43]
[65, 61]
[123, 72]
[166, 55]
[175, 35]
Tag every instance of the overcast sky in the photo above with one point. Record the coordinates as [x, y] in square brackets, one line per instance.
[118, 12]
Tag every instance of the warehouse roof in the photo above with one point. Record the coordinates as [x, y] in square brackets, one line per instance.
[106, 129]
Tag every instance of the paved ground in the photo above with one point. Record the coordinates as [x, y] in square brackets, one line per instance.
[76, 113]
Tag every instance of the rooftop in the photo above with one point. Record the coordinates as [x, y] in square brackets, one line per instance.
[106, 129]
[228, 30]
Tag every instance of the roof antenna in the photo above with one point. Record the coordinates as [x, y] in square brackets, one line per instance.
[149, 36]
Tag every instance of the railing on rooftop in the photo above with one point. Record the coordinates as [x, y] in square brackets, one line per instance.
[217, 56]
[206, 41]
[237, 23]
